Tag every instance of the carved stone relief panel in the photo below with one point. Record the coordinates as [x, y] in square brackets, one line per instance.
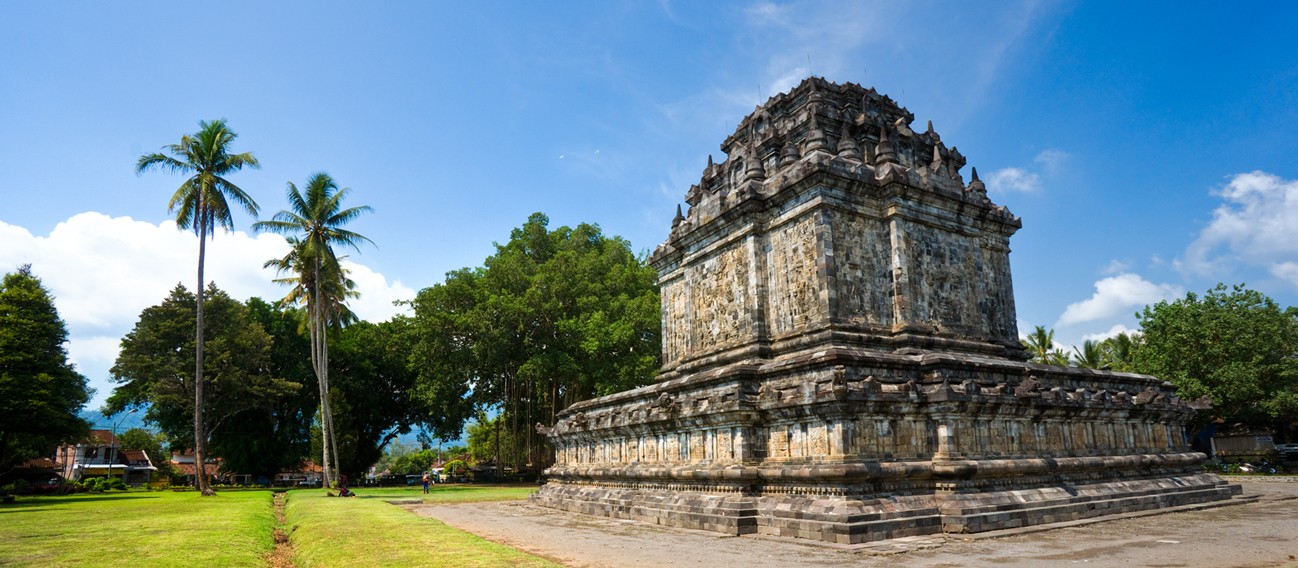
[671, 448]
[725, 447]
[819, 440]
[675, 336]
[719, 301]
[863, 270]
[696, 452]
[794, 283]
[942, 290]
[778, 446]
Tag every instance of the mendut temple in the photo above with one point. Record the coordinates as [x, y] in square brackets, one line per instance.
[841, 359]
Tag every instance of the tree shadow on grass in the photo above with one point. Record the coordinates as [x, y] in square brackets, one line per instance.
[52, 501]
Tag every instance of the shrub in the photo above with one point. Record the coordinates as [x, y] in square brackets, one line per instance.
[454, 470]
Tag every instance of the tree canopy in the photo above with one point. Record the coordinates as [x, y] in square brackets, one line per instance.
[552, 318]
[1233, 344]
[373, 391]
[40, 391]
[152, 370]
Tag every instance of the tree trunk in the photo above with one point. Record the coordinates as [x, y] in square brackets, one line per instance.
[329, 412]
[200, 432]
[313, 313]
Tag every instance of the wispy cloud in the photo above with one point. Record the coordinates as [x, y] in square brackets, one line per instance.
[1256, 225]
[1051, 160]
[1116, 267]
[1024, 180]
[1006, 180]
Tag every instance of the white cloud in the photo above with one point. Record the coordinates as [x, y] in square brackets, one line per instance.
[1013, 179]
[1113, 331]
[103, 271]
[1024, 180]
[1287, 271]
[1051, 160]
[1255, 226]
[1116, 294]
[1116, 266]
[377, 296]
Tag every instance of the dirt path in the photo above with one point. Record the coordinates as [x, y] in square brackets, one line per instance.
[282, 555]
[1260, 533]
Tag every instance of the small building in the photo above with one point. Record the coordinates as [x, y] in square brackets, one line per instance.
[100, 455]
[183, 463]
[309, 474]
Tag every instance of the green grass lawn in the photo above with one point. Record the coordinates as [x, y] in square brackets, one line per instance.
[138, 528]
[235, 527]
[332, 531]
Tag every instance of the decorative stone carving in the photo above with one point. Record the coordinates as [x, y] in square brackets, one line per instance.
[1028, 388]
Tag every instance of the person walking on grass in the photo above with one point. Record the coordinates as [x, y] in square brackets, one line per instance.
[425, 482]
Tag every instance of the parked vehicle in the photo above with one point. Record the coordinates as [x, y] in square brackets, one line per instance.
[1288, 452]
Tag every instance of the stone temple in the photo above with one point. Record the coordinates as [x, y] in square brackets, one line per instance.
[841, 360]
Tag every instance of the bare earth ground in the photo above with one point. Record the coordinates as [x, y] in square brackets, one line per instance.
[1263, 532]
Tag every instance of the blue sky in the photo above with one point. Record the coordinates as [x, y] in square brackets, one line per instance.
[1149, 147]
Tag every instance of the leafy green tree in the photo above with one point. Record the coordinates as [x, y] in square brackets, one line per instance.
[1233, 344]
[373, 390]
[202, 203]
[486, 441]
[275, 436]
[552, 318]
[314, 224]
[155, 445]
[414, 462]
[40, 391]
[151, 370]
[393, 452]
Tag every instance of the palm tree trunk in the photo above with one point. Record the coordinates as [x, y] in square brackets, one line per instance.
[329, 412]
[320, 353]
[200, 432]
[326, 462]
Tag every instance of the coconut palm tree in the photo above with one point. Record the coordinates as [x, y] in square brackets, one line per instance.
[1089, 356]
[1040, 343]
[202, 203]
[335, 287]
[313, 225]
[1118, 350]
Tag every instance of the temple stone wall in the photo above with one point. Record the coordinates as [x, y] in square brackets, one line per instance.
[841, 360]
[862, 275]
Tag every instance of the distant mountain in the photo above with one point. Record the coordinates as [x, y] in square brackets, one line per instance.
[123, 420]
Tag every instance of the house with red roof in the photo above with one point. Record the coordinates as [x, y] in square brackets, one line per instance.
[100, 455]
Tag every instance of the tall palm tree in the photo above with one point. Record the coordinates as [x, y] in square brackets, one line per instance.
[335, 287]
[1040, 343]
[1090, 356]
[202, 203]
[1118, 350]
[313, 225]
